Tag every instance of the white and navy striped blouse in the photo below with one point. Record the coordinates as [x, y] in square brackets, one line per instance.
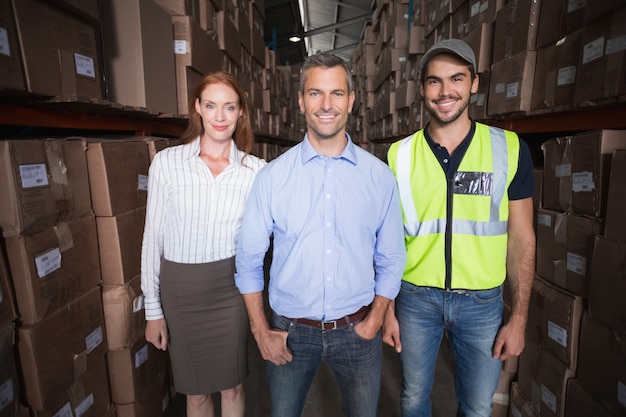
[192, 216]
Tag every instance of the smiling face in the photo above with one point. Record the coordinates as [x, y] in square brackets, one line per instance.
[326, 103]
[447, 86]
[220, 110]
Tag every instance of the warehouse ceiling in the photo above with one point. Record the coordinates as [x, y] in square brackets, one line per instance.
[335, 26]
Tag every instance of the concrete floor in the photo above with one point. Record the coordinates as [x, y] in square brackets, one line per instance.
[324, 399]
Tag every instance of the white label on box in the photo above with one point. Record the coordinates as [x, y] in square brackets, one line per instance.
[512, 90]
[481, 99]
[557, 333]
[577, 264]
[84, 406]
[573, 5]
[48, 262]
[94, 339]
[65, 411]
[5, 48]
[621, 393]
[566, 75]
[141, 356]
[181, 47]
[544, 220]
[548, 398]
[475, 9]
[582, 181]
[7, 394]
[593, 50]
[484, 6]
[33, 175]
[500, 87]
[142, 182]
[84, 66]
[563, 170]
[616, 45]
[138, 303]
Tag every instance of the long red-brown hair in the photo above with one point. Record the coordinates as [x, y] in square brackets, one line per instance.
[243, 136]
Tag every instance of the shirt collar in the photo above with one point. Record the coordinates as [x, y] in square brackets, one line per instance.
[192, 150]
[348, 153]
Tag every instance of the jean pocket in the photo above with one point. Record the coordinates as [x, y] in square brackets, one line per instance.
[487, 296]
[409, 288]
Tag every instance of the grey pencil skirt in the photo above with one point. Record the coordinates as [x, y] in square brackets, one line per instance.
[207, 324]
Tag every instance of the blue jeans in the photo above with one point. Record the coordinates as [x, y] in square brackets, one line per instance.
[355, 363]
[471, 320]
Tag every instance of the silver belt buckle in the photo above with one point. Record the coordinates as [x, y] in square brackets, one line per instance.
[334, 323]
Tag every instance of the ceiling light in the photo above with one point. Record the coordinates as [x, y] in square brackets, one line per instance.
[295, 39]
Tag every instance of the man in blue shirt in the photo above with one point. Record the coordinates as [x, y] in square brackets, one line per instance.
[338, 252]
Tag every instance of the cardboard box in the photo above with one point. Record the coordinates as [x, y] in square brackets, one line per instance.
[591, 165]
[83, 8]
[554, 317]
[511, 86]
[478, 102]
[602, 364]
[602, 61]
[558, 19]
[139, 59]
[607, 288]
[118, 175]
[616, 201]
[136, 372]
[601, 9]
[60, 51]
[124, 314]
[481, 42]
[557, 176]
[9, 378]
[42, 183]
[483, 11]
[61, 347]
[120, 238]
[187, 79]
[11, 68]
[551, 245]
[516, 28]
[406, 94]
[543, 379]
[556, 66]
[88, 395]
[581, 233]
[180, 7]
[520, 404]
[8, 310]
[580, 403]
[54, 267]
[193, 46]
[228, 37]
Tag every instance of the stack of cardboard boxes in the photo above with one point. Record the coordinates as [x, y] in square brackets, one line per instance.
[72, 213]
[575, 319]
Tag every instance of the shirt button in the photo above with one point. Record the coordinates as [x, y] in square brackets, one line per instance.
[328, 279]
[328, 224]
[445, 161]
[327, 195]
[328, 251]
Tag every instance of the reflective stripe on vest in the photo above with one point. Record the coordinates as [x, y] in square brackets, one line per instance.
[413, 226]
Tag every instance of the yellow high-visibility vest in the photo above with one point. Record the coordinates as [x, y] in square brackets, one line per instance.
[456, 231]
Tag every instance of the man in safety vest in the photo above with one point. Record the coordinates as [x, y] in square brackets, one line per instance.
[466, 192]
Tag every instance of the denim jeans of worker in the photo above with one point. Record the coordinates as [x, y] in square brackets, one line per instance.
[471, 321]
[355, 363]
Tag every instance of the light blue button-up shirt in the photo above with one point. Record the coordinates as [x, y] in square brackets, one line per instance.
[338, 233]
